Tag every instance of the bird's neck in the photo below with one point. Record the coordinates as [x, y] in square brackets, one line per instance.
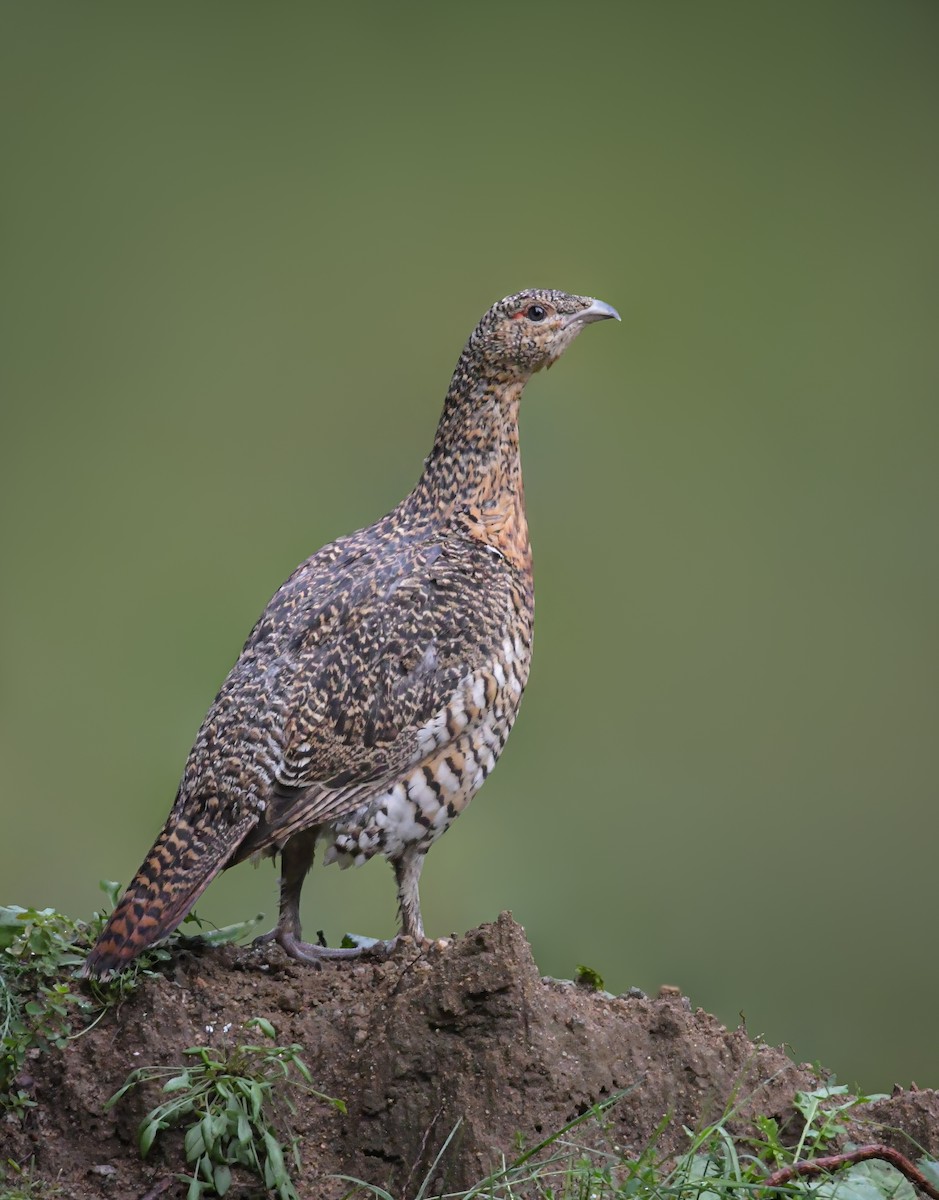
[473, 475]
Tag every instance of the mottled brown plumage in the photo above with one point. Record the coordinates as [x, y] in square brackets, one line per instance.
[377, 690]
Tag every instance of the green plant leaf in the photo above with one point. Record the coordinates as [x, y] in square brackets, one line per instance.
[12, 917]
[244, 1129]
[930, 1168]
[256, 1094]
[121, 1091]
[229, 933]
[264, 1025]
[587, 977]
[221, 1178]
[207, 1126]
[373, 1188]
[851, 1187]
[275, 1155]
[112, 889]
[358, 941]
[193, 1143]
[148, 1132]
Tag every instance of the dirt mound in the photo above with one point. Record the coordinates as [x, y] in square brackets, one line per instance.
[470, 1032]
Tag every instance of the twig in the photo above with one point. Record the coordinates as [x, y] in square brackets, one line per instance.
[819, 1166]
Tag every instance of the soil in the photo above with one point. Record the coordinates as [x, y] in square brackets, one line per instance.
[467, 1032]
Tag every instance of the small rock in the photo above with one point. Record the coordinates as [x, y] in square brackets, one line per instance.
[288, 1000]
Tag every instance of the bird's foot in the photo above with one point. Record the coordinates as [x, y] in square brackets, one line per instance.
[364, 947]
[307, 952]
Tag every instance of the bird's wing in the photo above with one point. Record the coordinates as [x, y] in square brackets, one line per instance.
[365, 670]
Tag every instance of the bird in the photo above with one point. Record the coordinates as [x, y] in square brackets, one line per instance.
[376, 691]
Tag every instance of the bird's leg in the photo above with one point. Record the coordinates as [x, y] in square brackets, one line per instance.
[407, 871]
[407, 875]
[296, 860]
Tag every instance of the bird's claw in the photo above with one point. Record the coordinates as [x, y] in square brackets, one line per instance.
[307, 952]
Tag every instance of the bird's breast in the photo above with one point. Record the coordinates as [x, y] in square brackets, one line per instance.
[456, 751]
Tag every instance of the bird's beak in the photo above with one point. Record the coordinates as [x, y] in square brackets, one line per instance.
[596, 310]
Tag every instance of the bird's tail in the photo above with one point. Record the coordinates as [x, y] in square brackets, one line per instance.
[184, 860]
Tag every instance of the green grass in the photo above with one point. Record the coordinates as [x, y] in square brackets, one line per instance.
[20, 1183]
[717, 1165]
[41, 1003]
[234, 1104]
[235, 1107]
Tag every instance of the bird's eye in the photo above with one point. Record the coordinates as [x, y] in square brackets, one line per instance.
[536, 313]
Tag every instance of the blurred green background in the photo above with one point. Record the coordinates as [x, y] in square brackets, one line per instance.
[243, 244]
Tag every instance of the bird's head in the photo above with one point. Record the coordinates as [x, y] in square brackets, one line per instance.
[530, 330]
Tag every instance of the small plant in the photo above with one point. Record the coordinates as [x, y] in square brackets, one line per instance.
[716, 1165]
[40, 1004]
[19, 1183]
[825, 1112]
[587, 977]
[231, 1103]
[37, 1004]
